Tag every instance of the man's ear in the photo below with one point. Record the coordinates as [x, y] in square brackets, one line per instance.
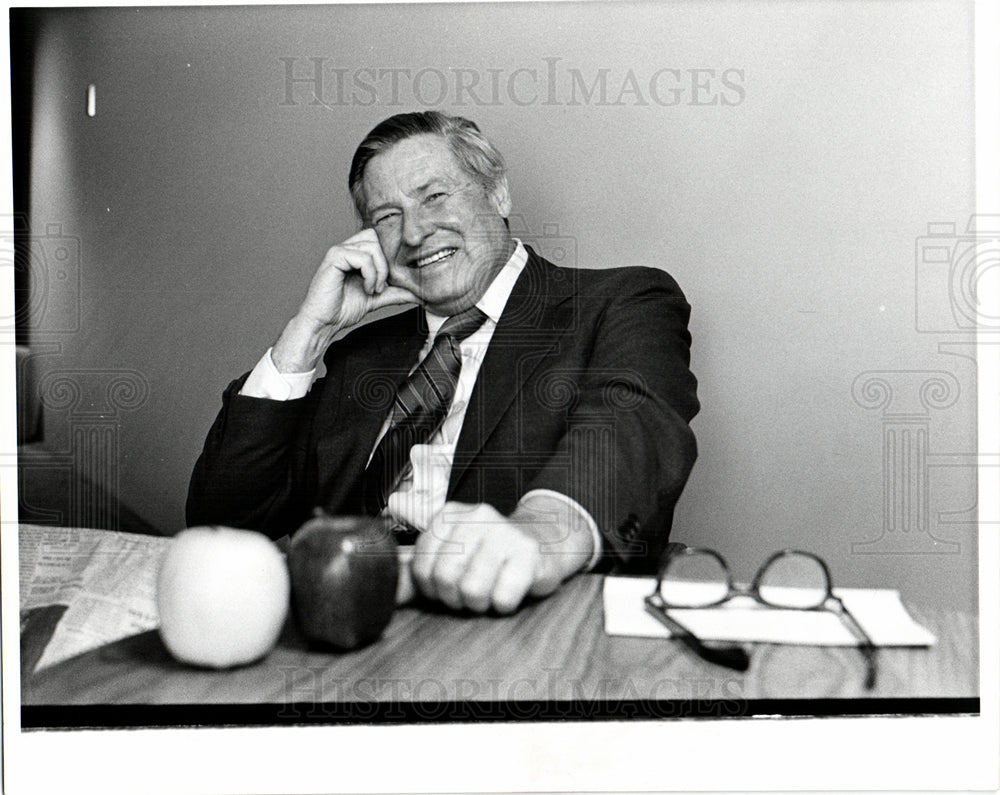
[501, 197]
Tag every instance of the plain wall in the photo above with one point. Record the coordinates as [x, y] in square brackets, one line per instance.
[206, 188]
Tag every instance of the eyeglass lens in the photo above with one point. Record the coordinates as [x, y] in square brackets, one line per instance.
[793, 580]
[694, 579]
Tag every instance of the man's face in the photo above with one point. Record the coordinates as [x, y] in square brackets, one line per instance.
[441, 231]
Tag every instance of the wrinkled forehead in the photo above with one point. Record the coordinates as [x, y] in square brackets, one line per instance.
[410, 166]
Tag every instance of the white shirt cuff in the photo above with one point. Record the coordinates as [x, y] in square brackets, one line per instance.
[266, 382]
[587, 518]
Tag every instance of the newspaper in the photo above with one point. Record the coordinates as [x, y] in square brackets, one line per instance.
[106, 580]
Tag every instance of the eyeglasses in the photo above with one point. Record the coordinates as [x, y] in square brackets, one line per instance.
[789, 580]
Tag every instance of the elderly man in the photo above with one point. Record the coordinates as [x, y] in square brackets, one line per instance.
[527, 421]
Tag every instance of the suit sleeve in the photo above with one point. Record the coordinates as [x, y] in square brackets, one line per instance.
[628, 442]
[253, 471]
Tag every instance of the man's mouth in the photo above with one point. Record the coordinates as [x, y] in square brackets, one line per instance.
[430, 259]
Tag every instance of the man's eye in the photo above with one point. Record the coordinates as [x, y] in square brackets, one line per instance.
[381, 220]
[434, 197]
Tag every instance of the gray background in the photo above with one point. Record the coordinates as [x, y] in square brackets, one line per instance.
[202, 200]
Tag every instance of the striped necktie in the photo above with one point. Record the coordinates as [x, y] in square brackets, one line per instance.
[419, 409]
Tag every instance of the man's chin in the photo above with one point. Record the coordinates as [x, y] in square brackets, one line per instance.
[437, 295]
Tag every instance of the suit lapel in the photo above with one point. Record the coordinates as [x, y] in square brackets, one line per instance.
[371, 371]
[534, 319]
[382, 364]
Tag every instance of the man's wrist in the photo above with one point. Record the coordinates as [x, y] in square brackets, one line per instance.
[301, 346]
[266, 382]
[562, 531]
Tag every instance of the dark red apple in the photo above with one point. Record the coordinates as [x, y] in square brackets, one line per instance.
[344, 573]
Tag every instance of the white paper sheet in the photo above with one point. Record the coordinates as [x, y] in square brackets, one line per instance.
[879, 612]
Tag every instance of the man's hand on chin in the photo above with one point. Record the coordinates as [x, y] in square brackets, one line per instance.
[473, 557]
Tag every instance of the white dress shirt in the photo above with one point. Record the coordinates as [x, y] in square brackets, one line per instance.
[423, 493]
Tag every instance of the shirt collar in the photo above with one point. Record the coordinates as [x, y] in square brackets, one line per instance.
[495, 298]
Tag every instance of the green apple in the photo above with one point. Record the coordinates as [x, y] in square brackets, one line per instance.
[344, 573]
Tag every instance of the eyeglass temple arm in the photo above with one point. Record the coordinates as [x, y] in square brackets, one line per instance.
[734, 657]
[867, 646]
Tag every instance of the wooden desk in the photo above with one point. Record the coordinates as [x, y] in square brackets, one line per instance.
[551, 660]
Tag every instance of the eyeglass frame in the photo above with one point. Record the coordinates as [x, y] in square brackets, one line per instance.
[734, 656]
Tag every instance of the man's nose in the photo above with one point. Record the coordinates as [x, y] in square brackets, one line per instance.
[417, 225]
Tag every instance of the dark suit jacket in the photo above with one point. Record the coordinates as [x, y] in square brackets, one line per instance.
[585, 389]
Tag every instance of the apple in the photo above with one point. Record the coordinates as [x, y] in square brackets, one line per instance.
[223, 596]
[344, 573]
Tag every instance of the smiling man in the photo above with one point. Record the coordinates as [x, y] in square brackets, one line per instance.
[524, 422]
